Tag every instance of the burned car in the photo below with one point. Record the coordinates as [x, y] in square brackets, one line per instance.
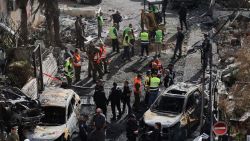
[61, 108]
[17, 109]
[178, 109]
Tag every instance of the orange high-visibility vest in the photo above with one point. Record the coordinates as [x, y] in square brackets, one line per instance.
[136, 82]
[103, 53]
[77, 61]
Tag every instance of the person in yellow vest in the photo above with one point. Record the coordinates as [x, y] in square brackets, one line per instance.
[69, 70]
[100, 24]
[77, 65]
[131, 37]
[146, 86]
[153, 88]
[144, 37]
[158, 42]
[126, 44]
[113, 34]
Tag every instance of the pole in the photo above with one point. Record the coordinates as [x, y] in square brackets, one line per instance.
[41, 68]
[202, 93]
[35, 69]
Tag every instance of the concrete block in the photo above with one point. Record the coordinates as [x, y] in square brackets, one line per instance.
[89, 12]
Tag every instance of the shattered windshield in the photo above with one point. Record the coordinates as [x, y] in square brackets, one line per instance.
[168, 104]
[53, 116]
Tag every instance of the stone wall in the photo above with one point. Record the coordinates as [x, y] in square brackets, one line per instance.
[50, 68]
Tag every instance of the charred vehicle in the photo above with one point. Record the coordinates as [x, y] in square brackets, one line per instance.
[178, 109]
[60, 121]
[17, 109]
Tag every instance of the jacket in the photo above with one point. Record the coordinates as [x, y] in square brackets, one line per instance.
[115, 95]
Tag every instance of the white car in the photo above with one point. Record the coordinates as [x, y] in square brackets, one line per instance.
[61, 108]
[178, 109]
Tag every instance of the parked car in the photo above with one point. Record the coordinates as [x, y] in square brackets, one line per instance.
[60, 122]
[178, 109]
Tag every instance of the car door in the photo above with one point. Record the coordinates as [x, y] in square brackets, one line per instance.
[193, 109]
[71, 118]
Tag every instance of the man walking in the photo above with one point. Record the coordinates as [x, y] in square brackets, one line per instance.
[100, 23]
[126, 45]
[183, 16]
[83, 127]
[132, 128]
[154, 88]
[99, 122]
[126, 97]
[77, 65]
[113, 34]
[131, 37]
[115, 98]
[179, 41]
[158, 42]
[97, 66]
[137, 91]
[117, 18]
[103, 55]
[100, 97]
[144, 37]
[68, 70]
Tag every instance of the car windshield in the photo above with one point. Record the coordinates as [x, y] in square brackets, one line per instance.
[168, 104]
[53, 116]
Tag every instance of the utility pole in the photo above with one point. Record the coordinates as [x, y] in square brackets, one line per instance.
[210, 89]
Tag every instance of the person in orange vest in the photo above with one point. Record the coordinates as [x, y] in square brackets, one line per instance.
[103, 57]
[137, 91]
[156, 67]
[97, 66]
[77, 65]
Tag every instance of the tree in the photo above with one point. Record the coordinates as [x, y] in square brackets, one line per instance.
[52, 14]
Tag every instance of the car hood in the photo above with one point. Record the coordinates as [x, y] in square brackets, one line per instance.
[46, 132]
[166, 119]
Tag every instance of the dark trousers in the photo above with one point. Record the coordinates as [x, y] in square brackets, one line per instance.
[115, 45]
[146, 98]
[105, 64]
[118, 106]
[2, 66]
[69, 80]
[132, 41]
[137, 101]
[183, 21]
[126, 102]
[152, 97]
[97, 68]
[144, 47]
[79, 41]
[90, 68]
[126, 54]
[77, 73]
[178, 47]
[99, 31]
[131, 138]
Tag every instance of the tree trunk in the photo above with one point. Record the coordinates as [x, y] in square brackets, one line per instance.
[56, 23]
[24, 24]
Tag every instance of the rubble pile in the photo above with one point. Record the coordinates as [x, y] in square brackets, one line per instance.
[234, 3]
[234, 67]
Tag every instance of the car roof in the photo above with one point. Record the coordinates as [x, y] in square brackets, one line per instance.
[182, 89]
[56, 97]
